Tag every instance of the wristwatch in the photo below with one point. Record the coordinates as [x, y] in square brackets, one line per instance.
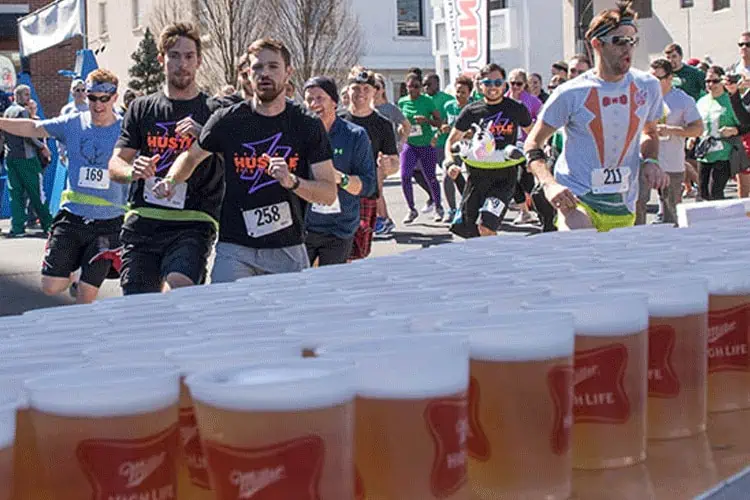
[344, 181]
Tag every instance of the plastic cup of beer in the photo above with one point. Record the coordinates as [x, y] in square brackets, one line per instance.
[728, 337]
[27, 462]
[677, 367]
[143, 350]
[106, 433]
[8, 407]
[283, 428]
[412, 422]
[610, 376]
[194, 483]
[520, 406]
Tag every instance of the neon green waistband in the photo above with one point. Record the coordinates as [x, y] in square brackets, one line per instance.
[87, 199]
[494, 165]
[173, 215]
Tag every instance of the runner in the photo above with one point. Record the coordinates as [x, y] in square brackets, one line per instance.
[492, 158]
[167, 242]
[609, 115]
[245, 91]
[85, 234]
[463, 86]
[680, 120]
[402, 128]
[337, 232]
[431, 86]
[420, 110]
[277, 158]
[380, 132]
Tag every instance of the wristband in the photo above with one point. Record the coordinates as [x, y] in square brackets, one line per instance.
[536, 154]
[170, 180]
[344, 181]
[296, 183]
[129, 177]
[651, 160]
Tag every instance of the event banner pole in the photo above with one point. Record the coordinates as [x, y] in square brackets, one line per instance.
[468, 32]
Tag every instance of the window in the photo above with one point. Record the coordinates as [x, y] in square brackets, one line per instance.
[136, 6]
[441, 38]
[644, 8]
[410, 17]
[103, 29]
[721, 4]
[498, 4]
[686, 4]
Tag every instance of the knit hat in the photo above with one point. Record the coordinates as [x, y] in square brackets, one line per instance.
[327, 84]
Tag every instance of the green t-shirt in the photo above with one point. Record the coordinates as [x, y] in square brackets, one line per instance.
[440, 99]
[717, 113]
[421, 135]
[452, 110]
[691, 80]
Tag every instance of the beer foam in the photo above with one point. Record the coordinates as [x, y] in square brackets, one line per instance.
[97, 392]
[293, 385]
[406, 367]
[142, 349]
[724, 278]
[8, 408]
[234, 352]
[669, 297]
[614, 314]
[520, 336]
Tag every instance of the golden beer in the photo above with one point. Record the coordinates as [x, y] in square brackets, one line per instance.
[286, 429]
[412, 415]
[105, 433]
[610, 378]
[7, 438]
[728, 352]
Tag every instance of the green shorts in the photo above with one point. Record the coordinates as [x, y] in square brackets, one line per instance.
[605, 222]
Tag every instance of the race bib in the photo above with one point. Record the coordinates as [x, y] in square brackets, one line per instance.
[327, 209]
[416, 130]
[263, 221]
[178, 198]
[717, 146]
[93, 178]
[493, 205]
[610, 180]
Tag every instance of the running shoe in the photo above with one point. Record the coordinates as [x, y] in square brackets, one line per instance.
[428, 207]
[450, 215]
[439, 214]
[411, 216]
[379, 225]
[389, 226]
[523, 218]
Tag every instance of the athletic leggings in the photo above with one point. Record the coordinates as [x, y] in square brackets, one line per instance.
[409, 156]
[450, 186]
[713, 179]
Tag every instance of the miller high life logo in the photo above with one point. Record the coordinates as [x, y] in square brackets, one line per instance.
[599, 385]
[728, 339]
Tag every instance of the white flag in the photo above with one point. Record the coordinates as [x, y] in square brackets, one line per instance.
[466, 27]
[51, 25]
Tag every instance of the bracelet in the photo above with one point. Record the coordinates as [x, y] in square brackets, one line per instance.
[129, 177]
[651, 160]
[170, 180]
[536, 154]
[296, 183]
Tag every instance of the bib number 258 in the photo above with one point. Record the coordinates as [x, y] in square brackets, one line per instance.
[267, 215]
[262, 221]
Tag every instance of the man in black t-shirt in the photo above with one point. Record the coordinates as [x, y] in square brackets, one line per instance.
[167, 242]
[491, 157]
[380, 130]
[277, 158]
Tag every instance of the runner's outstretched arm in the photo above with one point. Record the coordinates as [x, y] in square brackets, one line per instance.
[120, 169]
[561, 197]
[656, 178]
[185, 164]
[23, 127]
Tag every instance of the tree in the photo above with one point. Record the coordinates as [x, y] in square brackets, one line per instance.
[227, 27]
[146, 72]
[323, 36]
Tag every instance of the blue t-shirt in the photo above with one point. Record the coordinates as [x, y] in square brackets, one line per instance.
[89, 150]
[352, 155]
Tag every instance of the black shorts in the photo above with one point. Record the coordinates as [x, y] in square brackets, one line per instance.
[485, 200]
[91, 245]
[154, 248]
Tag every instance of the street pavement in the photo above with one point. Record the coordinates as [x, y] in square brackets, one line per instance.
[20, 258]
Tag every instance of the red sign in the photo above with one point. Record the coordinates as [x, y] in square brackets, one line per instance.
[727, 340]
[447, 421]
[599, 380]
[662, 380]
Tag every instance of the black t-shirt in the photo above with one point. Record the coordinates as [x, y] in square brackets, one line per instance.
[380, 130]
[501, 120]
[257, 211]
[226, 101]
[149, 128]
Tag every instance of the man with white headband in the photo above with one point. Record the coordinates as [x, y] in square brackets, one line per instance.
[79, 104]
[609, 116]
[85, 234]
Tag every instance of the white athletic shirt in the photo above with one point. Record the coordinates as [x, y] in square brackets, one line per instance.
[602, 124]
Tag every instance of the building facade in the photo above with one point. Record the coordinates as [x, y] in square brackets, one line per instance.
[523, 34]
[52, 88]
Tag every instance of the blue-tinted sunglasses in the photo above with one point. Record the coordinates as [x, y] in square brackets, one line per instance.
[493, 83]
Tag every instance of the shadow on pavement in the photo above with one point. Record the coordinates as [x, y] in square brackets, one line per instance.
[18, 296]
[424, 240]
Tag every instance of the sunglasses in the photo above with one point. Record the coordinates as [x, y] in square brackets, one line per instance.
[102, 99]
[493, 83]
[517, 84]
[712, 82]
[79, 90]
[620, 40]
[743, 44]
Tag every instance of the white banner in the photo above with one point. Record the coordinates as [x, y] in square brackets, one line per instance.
[50, 25]
[466, 27]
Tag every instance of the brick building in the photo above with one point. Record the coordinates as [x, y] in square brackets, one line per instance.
[44, 66]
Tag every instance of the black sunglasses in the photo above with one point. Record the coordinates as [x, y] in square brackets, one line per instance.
[620, 40]
[102, 99]
[517, 84]
[743, 44]
[712, 81]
